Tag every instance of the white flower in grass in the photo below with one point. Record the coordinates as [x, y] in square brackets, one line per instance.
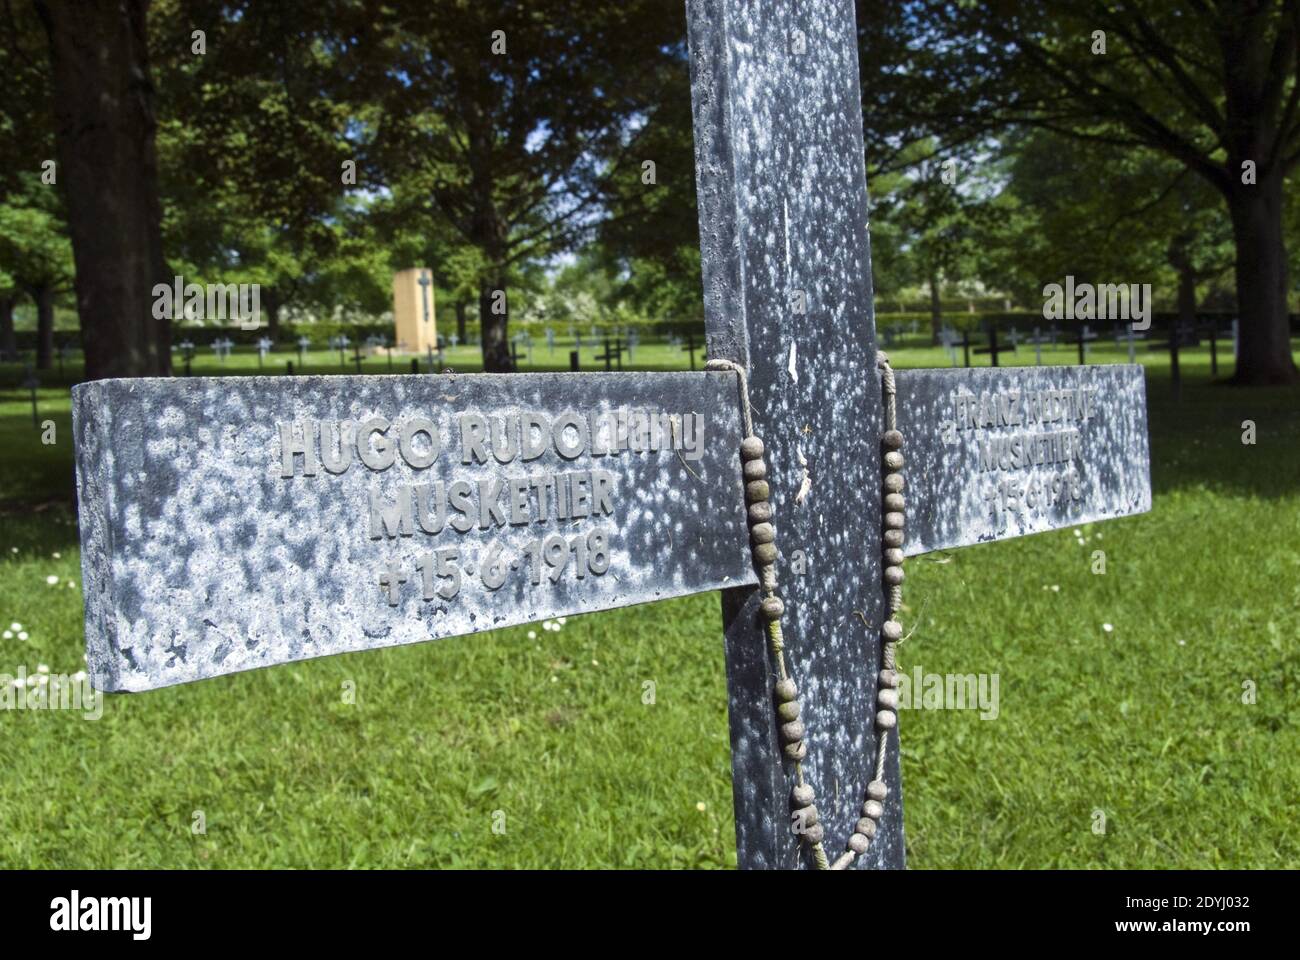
[22, 634]
[56, 555]
[13, 549]
[72, 584]
[1108, 627]
[560, 620]
[532, 634]
[15, 626]
[52, 580]
[1056, 588]
[42, 668]
[701, 806]
[8, 635]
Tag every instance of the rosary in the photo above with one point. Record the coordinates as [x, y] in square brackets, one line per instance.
[762, 534]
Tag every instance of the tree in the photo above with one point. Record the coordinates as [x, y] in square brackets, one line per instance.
[519, 113]
[36, 256]
[103, 103]
[257, 141]
[1212, 86]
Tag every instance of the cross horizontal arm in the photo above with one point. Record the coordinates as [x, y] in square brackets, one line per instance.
[999, 453]
[240, 522]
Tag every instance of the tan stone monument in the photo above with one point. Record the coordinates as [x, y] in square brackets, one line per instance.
[414, 320]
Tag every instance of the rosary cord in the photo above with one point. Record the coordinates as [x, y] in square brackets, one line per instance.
[806, 823]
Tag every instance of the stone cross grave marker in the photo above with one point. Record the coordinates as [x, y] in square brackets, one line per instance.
[230, 524]
[1038, 339]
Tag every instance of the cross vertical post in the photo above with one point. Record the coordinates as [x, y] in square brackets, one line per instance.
[777, 106]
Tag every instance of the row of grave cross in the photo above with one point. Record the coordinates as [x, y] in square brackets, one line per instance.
[333, 546]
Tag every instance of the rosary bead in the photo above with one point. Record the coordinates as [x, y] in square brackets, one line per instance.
[888, 678]
[892, 631]
[789, 710]
[813, 835]
[762, 532]
[751, 448]
[893, 483]
[793, 731]
[765, 553]
[806, 816]
[893, 576]
[873, 809]
[755, 470]
[786, 690]
[760, 511]
[858, 843]
[802, 794]
[796, 751]
[895, 502]
[867, 827]
[886, 719]
[756, 490]
[893, 440]
[894, 521]
[894, 557]
[772, 608]
[894, 460]
[887, 697]
[877, 790]
[892, 538]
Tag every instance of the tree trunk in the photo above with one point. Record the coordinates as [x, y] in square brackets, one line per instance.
[44, 298]
[461, 309]
[1264, 338]
[8, 341]
[936, 310]
[1186, 297]
[493, 327]
[104, 137]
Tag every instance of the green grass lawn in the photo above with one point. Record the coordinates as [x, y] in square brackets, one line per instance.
[1143, 723]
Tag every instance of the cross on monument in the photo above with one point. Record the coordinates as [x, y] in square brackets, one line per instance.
[371, 513]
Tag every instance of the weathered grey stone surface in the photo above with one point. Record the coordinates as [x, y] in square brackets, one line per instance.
[999, 453]
[199, 558]
[787, 293]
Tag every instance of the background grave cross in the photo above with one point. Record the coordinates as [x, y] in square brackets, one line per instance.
[1038, 339]
[689, 348]
[612, 354]
[993, 348]
[1082, 337]
[33, 383]
[303, 343]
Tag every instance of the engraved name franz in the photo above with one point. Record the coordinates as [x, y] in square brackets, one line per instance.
[1058, 448]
